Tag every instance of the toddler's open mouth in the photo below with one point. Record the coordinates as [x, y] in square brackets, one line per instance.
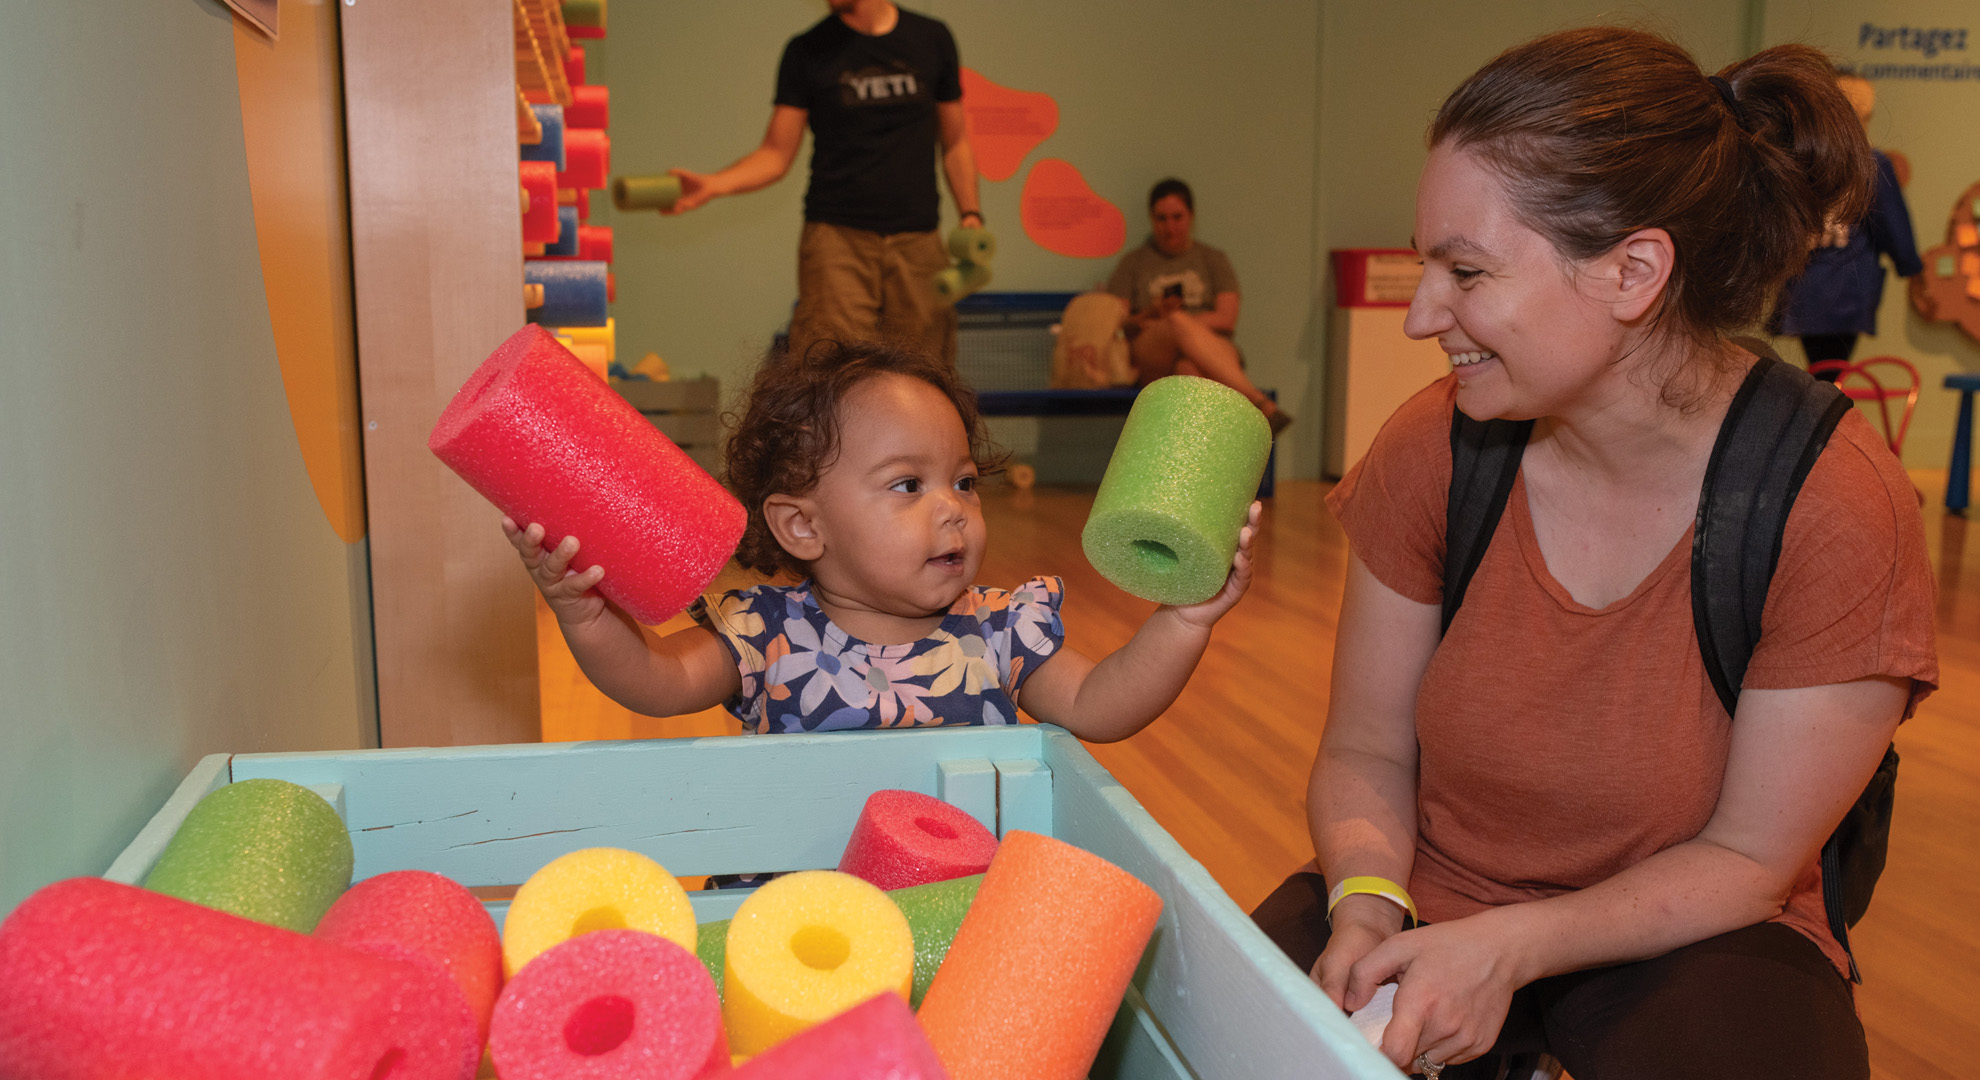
[948, 560]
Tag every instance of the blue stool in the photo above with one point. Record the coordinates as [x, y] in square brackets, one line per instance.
[1962, 450]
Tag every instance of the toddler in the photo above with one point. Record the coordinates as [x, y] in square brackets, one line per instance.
[859, 466]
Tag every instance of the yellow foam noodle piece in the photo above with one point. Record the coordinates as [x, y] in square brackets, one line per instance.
[805, 948]
[594, 889]
[607, 335]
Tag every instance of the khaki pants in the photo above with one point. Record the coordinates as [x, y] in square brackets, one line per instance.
[855, 285]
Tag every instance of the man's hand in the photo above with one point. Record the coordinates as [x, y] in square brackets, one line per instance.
[695, 190]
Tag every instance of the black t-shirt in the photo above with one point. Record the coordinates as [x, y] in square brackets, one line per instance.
[871, 104]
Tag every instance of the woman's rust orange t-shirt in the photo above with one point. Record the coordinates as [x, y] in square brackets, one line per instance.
[1560, 743]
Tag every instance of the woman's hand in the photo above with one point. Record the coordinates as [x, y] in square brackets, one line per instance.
[1455, 983]
[1361, 922]
[1206, 613]
[572, 597]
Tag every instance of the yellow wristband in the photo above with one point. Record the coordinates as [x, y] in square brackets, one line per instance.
[1375, 886]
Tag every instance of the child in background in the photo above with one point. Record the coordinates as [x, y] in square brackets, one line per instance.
[858, 465]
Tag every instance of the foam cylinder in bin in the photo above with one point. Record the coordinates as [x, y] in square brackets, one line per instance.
[540, 223]
[934, 912]
[905, 838]
[711, 947]
[574, 65]
[594, 242]
[99, 979]
[646, 192]
[575, 292]
[262, 849]
[584, 205]
[584, 18]
[972, 245]
[567, 244]
[611, 1005]
[587, 159]
[956, 282]
[877, 1040]
[1165, 522]
[1037, 970]
[807, 947]
[594, 889]
[551, 147]
[545, 441]
[424, 918]
[605, 336]
[591, 107]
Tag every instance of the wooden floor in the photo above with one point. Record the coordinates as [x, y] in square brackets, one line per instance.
[1225, 770]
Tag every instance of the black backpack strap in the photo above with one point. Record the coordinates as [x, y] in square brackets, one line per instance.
[1484, 463]
[1778, 424]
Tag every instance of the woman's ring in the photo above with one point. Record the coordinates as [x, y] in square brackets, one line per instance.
[1430, 1069]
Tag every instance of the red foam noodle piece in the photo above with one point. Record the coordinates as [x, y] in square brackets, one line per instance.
[428, 919]
[590, 107]
[878, 1040]
[595, 242]
[610, 1005]
[584, 205]
[99, 980]
[539, 220]
[542, 438]
[587, 159]
[574, 65]
[906, 838]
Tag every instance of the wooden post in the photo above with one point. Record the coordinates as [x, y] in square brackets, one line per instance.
[430, 115]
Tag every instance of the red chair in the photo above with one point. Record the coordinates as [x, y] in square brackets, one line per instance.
[1860, 383]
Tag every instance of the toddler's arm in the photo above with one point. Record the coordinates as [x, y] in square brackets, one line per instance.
[1127, 690]
[684, 672]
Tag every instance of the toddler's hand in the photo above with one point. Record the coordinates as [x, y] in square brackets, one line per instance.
[571, 596]
[1236, 582]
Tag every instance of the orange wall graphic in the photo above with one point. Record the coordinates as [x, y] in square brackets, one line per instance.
[1062, 214]
[292, 119]
[1004, 124]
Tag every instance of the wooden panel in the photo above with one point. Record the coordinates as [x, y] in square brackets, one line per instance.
[1024, 797]
[969, 785]
[437, 252]
[141, 855]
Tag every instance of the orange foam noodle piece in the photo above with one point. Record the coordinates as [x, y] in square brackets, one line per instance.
[541, 437]
[1037, 971]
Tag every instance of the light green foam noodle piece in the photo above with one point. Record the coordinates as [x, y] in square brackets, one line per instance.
[589, 13]
[266, 850]
[959, 281]
[934, 913]
[972, 246]
[1166, 519]
[646, 192]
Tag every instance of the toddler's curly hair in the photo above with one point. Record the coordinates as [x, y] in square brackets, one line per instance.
[786, 432]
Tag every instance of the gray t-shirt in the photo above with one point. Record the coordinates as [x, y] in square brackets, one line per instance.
[1144, 273]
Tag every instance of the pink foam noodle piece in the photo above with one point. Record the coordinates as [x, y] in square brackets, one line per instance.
[610, 1005]
[100, 980]
[537, 434]
[906, 838]
[587, 159]
[539, 180]
[574, 66]
[877, 1040]
[428, 919]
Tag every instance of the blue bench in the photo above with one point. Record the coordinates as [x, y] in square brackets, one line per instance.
[1004, 348]
[1958, 474]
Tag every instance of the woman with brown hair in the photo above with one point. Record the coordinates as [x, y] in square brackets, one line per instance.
[1608, 866]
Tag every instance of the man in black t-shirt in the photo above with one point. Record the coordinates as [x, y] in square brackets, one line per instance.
[881, 88]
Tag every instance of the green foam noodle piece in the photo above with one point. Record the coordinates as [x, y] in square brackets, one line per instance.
[266, 850]
[1165, 522]
[646, 192]
[972, 246]
[957, 282]
[589, 13]
[711, 947]
[934, 912]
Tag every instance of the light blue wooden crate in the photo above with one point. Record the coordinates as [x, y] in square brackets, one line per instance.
[1213, 997]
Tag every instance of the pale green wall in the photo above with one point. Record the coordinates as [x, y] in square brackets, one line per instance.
[1299, 124]
[1934, 124]
[171, 587]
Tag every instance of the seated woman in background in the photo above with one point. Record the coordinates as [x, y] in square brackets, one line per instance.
[1611, 865]
[1176, 300]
